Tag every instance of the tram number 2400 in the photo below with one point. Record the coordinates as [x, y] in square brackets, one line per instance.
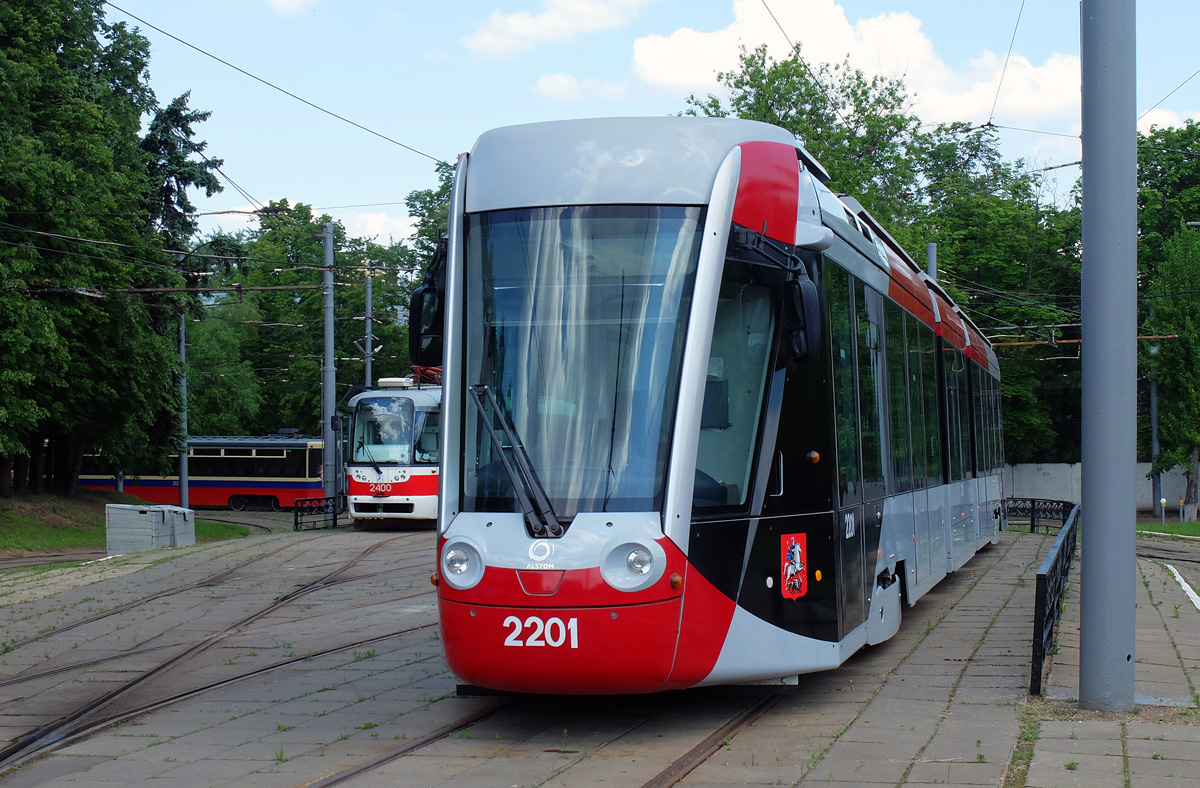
[534, 631]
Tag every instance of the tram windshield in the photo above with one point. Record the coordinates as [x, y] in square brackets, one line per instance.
[384, 429]
[577, 317]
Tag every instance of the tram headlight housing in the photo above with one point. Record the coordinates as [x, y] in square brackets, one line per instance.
[461, 564]
[633, 565]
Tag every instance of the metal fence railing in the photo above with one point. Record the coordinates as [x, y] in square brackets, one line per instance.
[1038, 512]
[313, 513]
[1051, 580]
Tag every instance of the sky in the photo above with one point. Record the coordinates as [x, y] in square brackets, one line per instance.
[426, 79]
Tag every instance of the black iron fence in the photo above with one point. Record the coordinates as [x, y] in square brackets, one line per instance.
[313, 513]
[1051, 575]
[1038, 512]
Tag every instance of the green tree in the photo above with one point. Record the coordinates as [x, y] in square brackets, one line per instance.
[1168, 188]
[1173, 294]
[277, 335]
[88, 363]
[169, 145]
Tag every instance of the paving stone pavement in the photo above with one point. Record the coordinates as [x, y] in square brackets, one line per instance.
[943, 702]
[1125, 751]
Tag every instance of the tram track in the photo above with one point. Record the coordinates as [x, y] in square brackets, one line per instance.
[77, 725]
[206, 582]
[662, 708]
[83, 716]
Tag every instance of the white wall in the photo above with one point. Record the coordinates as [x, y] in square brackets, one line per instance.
[1061, 482]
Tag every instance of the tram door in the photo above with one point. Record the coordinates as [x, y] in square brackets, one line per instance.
[849, 521]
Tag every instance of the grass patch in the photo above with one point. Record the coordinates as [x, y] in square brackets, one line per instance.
[216, 532]
[52, 524]
[1175, 528]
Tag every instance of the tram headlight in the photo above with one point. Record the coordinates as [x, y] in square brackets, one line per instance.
[462, 564]
[639, 561]
[632, 566]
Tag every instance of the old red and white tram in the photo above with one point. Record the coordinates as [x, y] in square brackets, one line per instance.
[704, 421]
[392, 451]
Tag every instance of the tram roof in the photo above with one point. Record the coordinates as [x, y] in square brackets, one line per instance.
[426, 397]
[276, 441]
[672, 161]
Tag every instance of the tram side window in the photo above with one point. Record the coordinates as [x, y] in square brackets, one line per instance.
[976, 456]
[999, 409]
[871, 403]
[953, 367]
[997, 425]
[958, 414]
[916, 398]
[899, 419]
[929, 386]
[736, 389]
[841, 329]
[964, 417]
[427, 443]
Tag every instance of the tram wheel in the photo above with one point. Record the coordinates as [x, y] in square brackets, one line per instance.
[237, 503]
[275, 507]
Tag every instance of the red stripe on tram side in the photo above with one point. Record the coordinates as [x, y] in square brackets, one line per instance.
[908, 291]
[950, 326]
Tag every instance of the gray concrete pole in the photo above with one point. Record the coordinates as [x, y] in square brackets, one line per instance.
[328, 378]
[1155, 478]
[370, 346]
[931, 261]
[183, 454]
[1109, 288]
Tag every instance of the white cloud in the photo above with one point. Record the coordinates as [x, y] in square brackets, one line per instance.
[289, 7]
[891, 45]
[1162, 118]
[504, 35]
[380, 226]
[569, 88]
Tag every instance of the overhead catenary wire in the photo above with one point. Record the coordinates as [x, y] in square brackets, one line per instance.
[1172, 93]
[1004, 70]
[800, 59]
[274, 86]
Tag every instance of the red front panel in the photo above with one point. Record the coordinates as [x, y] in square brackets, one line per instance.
[768, 190]
[416, 484]
[702, 629]
[569, 632]
[561, 650]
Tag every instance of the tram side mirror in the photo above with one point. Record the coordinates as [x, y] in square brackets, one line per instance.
[803, 319]
[425, 320]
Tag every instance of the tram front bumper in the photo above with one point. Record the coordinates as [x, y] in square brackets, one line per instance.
[578, 651]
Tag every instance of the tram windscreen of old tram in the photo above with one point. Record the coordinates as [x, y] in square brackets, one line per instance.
[583, 313]
[388, 430]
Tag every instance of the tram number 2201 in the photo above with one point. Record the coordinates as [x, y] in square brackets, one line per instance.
[552, 632]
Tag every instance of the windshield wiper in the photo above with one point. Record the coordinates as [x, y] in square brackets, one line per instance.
[362, 444]
[539, 514]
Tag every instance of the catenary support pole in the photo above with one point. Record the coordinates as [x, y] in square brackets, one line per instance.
[368, 348]
[1109, 357]
[1156, 477]
[183, 453]
[328, 378]
[931, 261]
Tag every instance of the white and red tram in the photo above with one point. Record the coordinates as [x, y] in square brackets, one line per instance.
[704, 421]
[392, 452]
